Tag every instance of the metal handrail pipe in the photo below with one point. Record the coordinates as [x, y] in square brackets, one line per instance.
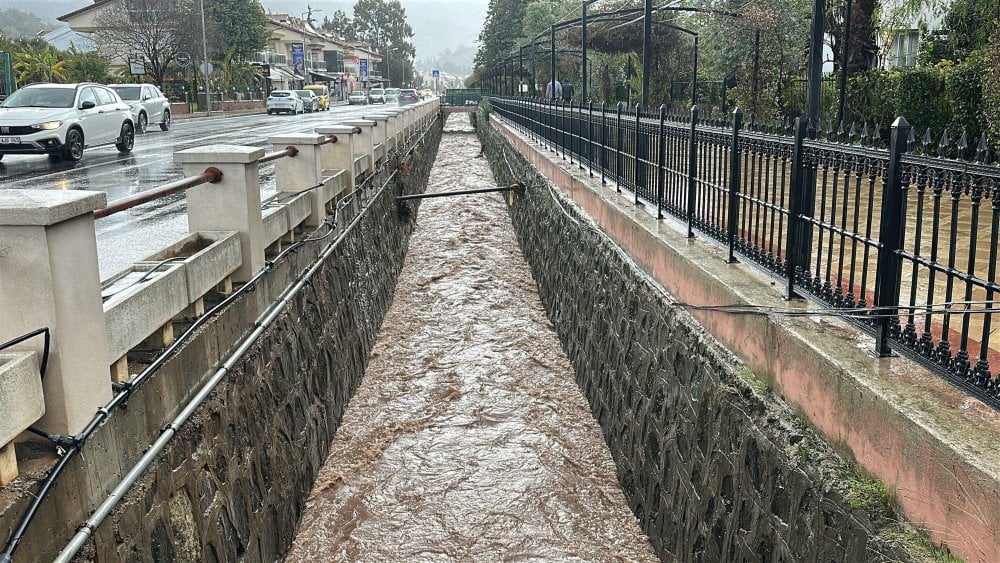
[288, 151]
[329, 140]
[211, 175]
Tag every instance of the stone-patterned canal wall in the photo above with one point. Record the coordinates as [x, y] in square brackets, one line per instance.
[232, 484]
[715, 467]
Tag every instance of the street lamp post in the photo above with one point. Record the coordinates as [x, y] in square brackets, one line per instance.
[204, 44]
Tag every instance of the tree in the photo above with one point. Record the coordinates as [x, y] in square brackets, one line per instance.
[156, 30]
[16, 23]
[237, 28]
[44, 66]
[85, 67]
[383, 24]
[341, 25]
[501, 31]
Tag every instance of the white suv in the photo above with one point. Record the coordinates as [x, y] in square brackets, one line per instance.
[63, 119]
[148, 104]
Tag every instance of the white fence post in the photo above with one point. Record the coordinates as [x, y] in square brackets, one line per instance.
[233, 204]
[49, 277]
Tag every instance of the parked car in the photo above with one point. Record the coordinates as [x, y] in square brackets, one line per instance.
[322, 95]
[426, 94]
[148, 104]
[284, 101]
[408, 96]
[357, 97]
[376, 96]
[310, 102]
[391, 95]
[62, 120]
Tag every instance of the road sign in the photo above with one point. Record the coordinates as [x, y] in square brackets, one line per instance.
[206, 68]
[183, 59]
[136, 67]
[435, 73]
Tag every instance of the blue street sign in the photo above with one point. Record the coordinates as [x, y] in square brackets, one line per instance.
[435, 73]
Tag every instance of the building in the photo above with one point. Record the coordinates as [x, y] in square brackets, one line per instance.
[902, 28]
[298, 53]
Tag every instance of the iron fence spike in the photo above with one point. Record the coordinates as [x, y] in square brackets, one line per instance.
[927, 141]
[963, 145]
[911, 140]
[853, 133]
[864, 135]
[983, 149]
[943, 144]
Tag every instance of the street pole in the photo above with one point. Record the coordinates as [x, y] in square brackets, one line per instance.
[756, 71]
[815, 65]
[846, 58]
[552, 62]
[534, 77]
[647, 51]
[694, 75]
[583, 70]
[204, 44]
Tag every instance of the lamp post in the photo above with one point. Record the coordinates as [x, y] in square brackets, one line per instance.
[204, 44]
[307, 20]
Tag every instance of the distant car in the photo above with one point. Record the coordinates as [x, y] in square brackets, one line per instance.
[357, 97]
[61, 120]
[284, 101]
[148, 104]
[310, 101]
[322, 95]
[376, 96]
[391, 95]
[408, 96]
[426, 94]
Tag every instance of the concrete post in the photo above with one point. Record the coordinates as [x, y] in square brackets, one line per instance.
[230, 205]
[302, 172]
[339, 155]
[363, 143]
[49, 277]
[383, 131]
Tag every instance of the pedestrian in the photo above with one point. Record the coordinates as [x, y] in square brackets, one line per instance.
[553, 95]
[567, 91]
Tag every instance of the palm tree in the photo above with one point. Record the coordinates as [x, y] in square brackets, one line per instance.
[43, 66]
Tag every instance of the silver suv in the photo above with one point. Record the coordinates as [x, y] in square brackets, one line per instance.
[148, 104]
[63, 119]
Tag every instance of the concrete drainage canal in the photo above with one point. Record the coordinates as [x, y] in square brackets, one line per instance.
[527, 394]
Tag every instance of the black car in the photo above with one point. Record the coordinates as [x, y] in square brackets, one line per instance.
[408, 96]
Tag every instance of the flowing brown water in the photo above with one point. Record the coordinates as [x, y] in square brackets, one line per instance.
[468, 439]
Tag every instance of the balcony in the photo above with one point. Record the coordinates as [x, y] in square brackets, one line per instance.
[316, 65]
[269, 58]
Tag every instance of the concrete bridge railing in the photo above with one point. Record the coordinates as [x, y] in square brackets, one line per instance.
[50, 278]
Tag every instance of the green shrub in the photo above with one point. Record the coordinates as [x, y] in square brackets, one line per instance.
[921, 98]
[872, 98]
[964, 90]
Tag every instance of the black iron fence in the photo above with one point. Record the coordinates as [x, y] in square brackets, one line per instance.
[900, 237]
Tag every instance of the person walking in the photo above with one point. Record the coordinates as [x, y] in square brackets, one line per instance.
[553, 93]
[567, 91]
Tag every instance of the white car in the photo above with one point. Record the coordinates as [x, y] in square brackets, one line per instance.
[148, 104]
[310, 101]
[284, 101]
[61, 120]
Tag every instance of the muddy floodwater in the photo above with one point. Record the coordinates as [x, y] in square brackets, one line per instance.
[468, 439]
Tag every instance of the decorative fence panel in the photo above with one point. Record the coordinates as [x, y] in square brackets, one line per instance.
[898, 237]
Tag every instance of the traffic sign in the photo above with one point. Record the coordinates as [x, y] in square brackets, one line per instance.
[183, 59]
[435, 73]
[206, 68]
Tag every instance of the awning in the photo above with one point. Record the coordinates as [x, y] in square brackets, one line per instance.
[279, 74]
[325, 76]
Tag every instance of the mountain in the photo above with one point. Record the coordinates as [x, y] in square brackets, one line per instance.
[48, 10]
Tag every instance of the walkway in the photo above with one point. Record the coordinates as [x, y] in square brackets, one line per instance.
[468, 439]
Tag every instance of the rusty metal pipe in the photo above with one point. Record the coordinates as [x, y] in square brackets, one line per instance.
[287, 151]
[211, 175]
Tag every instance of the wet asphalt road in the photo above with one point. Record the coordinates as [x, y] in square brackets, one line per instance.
[132, 235]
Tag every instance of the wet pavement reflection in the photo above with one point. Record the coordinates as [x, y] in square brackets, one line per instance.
[468, 439]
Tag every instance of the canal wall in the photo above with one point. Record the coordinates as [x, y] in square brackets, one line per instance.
[233, 482]
[716, 465]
